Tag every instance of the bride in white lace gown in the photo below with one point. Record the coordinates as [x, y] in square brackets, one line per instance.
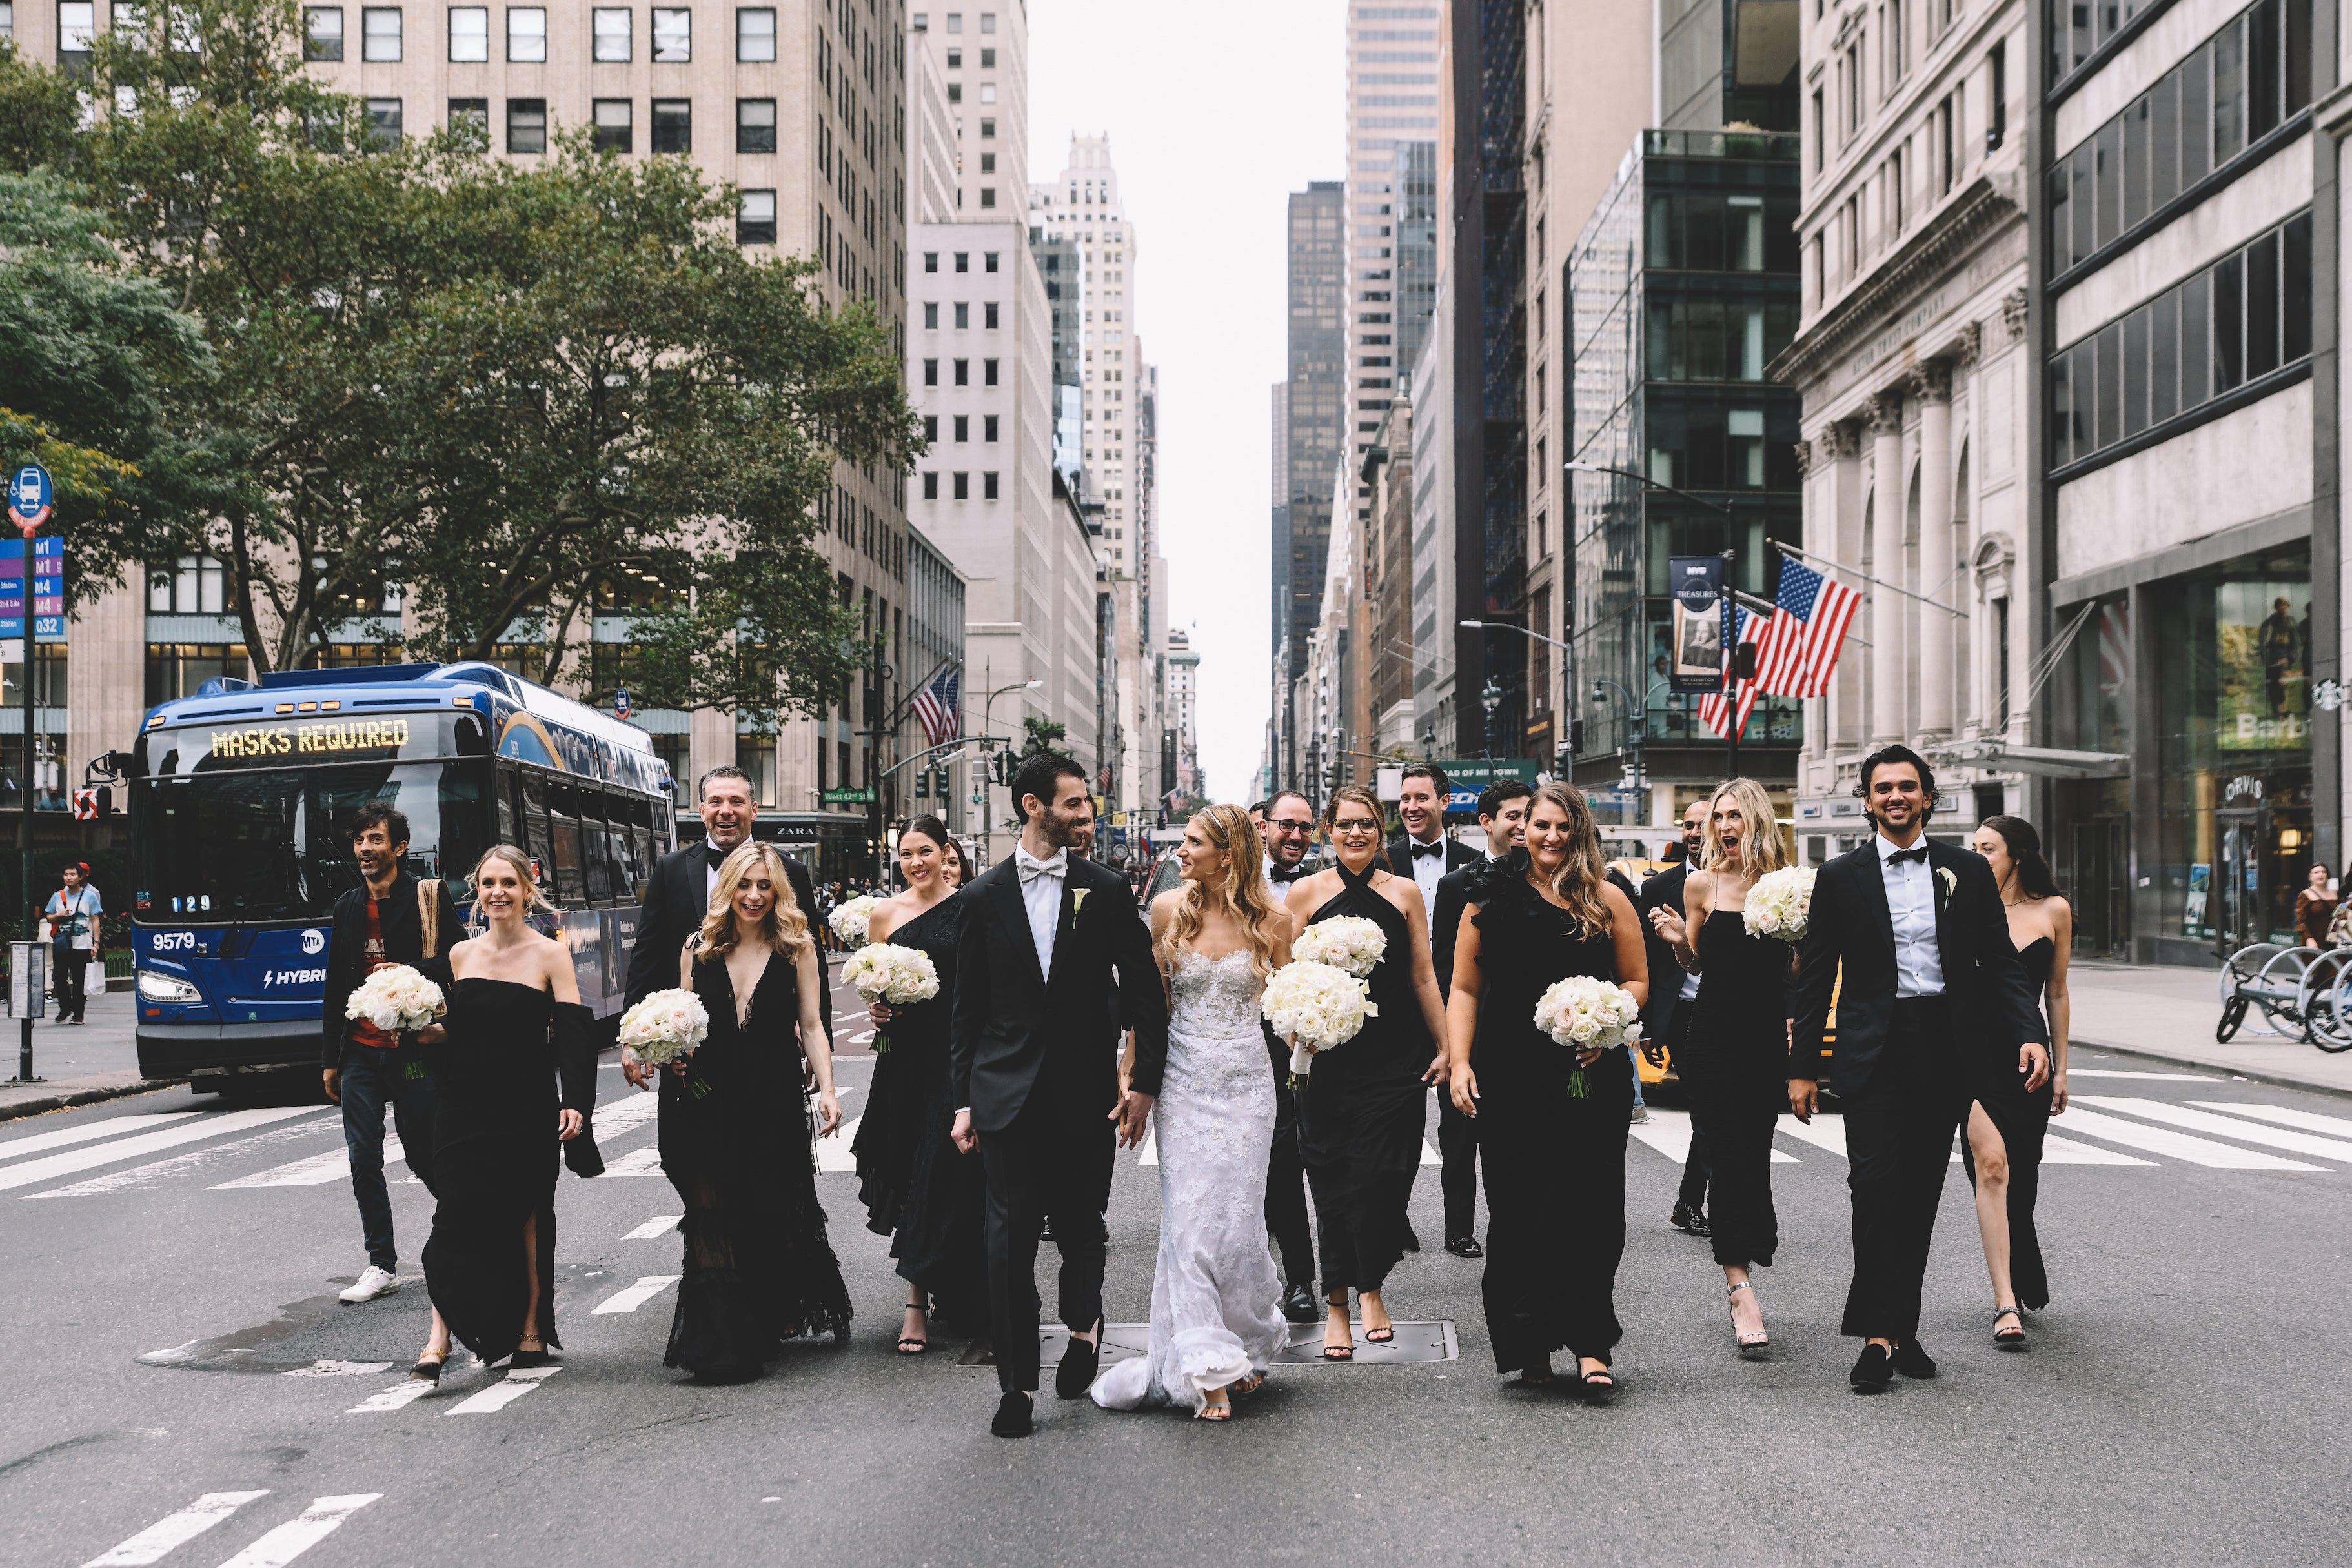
[1215, 1296]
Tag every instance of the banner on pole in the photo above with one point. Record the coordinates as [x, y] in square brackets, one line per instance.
[1699, 632]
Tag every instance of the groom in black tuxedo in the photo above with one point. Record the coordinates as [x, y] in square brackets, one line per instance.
[1054, 956]
[1286, 825]
[1933, 993]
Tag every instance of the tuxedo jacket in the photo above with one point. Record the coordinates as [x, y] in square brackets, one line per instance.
[1662, 890]
[1013, 1026]
[676, 902]
[1991, 1007]
[1457, 855]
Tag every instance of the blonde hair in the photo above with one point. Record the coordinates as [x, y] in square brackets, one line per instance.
[531, 896]
[1583, 870]
[1243, 888]
[1761, 848]
[783, 929]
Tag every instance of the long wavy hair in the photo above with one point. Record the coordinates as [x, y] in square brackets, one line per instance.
[1761, 847]
[1243, 889]
[1585, 870]
[784, 927]
[2033, 878]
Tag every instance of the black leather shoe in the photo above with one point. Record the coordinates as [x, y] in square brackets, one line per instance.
[1465, 1247]
[1299, 1305]
[1076, 1373]
[1872, 1372]
[1912, 1361]
[1685, 1217]
[1016, 1416]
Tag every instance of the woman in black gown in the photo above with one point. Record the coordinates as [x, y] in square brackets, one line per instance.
[917, 1188]
[1362, 1113]
[2006, 1124]
[514, 1026]
[1737, 1045]
[1554, 1160]
[735, 1134]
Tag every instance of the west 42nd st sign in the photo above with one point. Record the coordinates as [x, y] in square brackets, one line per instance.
[848, 796]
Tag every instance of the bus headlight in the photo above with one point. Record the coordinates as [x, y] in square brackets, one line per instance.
[154, 986]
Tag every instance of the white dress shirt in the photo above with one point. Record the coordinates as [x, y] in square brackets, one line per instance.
[1041, 894]
[1911, 905]
[1426, 870]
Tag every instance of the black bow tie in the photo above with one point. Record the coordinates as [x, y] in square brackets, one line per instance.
[1918, 853]
[1420, 850]
[717, 856]
[1283, 873]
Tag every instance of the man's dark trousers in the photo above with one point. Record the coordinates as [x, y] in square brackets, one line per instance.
[372, 1079]
[1286, 1177]
[71, 967]
[1898, 1141]
[1046, 1166]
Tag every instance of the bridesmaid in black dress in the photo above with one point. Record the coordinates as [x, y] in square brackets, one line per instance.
[1362, 1113]
[735, 1134]
[514, 1025]
[1554, 1160]
[1739, 1040]
[2006, 1124]
[917, 1188]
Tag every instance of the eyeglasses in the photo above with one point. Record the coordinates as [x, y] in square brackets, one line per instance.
[1287, 825]
[1355, 825]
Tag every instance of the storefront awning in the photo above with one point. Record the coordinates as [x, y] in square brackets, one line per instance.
[2043, 761]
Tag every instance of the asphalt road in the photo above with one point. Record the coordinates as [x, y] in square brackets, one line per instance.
[2183, 1400]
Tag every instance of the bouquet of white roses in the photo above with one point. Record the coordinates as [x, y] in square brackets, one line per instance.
[1316, 1006]
[1586, 1014]
[1780, 903]
[886, 972]
[848, 922]
[1346, 941]
[397, 1000]
[664, 1027]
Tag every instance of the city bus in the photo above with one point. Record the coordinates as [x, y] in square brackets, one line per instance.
[241, 800]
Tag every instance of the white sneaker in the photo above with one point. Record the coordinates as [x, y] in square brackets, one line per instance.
[373, 1282]
[1640, 1115]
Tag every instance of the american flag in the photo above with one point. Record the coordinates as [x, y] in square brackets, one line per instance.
[935, 704]
[1712, 706]
[1810, 618]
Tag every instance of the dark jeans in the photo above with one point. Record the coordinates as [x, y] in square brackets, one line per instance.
[1056, 1168]
[71, 970]
[372, 1079]
[1898, 1141]
[1286, 1179]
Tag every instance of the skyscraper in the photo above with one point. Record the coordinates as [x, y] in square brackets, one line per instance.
[1392, 100]
[1314, 416]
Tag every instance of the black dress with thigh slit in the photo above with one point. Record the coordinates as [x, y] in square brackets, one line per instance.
[1739, 1044]
[2021, 1120]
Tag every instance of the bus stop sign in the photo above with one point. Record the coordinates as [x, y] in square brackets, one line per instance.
[30, 495]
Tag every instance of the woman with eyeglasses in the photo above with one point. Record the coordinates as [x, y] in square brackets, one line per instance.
[1362, 1112]
[1551, 1121]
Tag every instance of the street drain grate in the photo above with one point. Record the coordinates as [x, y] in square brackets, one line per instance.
[1415, 1342]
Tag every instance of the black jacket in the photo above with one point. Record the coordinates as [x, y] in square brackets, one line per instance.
[404, 943]
[676, 902]
[1009, 1019]
[1457, 855]
[1457, 891]
[1992, 1009]
[1662, 890]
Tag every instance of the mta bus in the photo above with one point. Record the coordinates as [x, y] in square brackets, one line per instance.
[241, 799]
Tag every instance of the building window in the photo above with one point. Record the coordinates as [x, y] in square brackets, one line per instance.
[988, 315]
[988, 258]
[469, 118]
[526, 125]
[963, 427]
[988, 92]
[962, 316]
[611, 32]
[755, 125]
[755, 35]
[1997, 66]
[615, 127]
[964, 261]
[1820, 131]
[987, 373]
[380, 33]
[930, 316]
[930, 261]
[931, 429]
[988, 195]
[955, 21]
[323, 33]
[988, 486]
[756, 756]
[526, 35]
[988, 129]
[988, 427]
[963, 373]
[384, 120]
[469, 33]
[930, 372]
[955, 93]
[963, 487]
[931, 486]
[673, 125]
[755, 219]
[193, 585]
[673, 35]
[177, 670]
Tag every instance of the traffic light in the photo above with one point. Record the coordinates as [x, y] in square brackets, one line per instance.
[1575, 736]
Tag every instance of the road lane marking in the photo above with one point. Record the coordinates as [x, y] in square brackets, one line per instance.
[1430, 1157]
[504, 1392]
[174, 1529]
[2058, 1151]
[1669, 1132]
[1149, 1153]
[2179, 1145]
[159, 1172]
[629, 1298]
[113, 1126]
[633, 1108]
[637, 1162]
[340, 1369]
[659, 1225]
[2169, 1077]
[212, 1127]
[2224, 1126]
[297, 1535]
[316, 1171]
[1827, 1132]
[2309, 1121]
[833, 1154]
[392, 1397]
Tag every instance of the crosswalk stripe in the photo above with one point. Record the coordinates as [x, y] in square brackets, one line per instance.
[633, 1108]
[637, 1162]
[340, 1369]
[2111, 1072]
[629, 1298]
[1828, 1132]
[1669, 1132]
[113, 1126]
[2309, 1121]
[2058, 1151]
[1430, 1157]
[317, 1170]
[833, 1154]
[2225, 1126]
[1149, 1155]
[393, 1397]
[174, 1529]
[659, 1225]
[2179, 1145]
[212, 1127]
[297, 1535]
[504, 1392]
[157, 1173]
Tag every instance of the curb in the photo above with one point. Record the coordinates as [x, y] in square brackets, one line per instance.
[42, 1105]
[2236, 1070]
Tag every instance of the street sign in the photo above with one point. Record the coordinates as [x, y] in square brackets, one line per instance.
[29, 496]
[85, 804]
[45, 605]
[1466, 777]
[847, 797]
[621, 703]
[28, 977]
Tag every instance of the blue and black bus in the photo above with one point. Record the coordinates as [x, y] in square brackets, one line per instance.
[241, 800]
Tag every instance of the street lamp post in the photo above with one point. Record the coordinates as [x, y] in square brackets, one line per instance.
[1492, 695]
[988, 725]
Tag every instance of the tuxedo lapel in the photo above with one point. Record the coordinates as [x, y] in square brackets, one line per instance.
[1872, 871]
[1940, 866]
[1065, 919]
[1005, 895]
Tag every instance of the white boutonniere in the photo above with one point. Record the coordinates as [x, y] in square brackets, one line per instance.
[1950, 878]
[1077, 901]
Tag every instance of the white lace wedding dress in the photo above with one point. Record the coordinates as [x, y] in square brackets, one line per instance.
[1215, 1296]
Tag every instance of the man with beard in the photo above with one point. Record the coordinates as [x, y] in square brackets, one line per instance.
[1287, 826]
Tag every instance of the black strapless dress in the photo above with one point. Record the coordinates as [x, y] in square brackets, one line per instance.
[735, 1142]
[1738, 1045]
[1554, 1162]
[2021, 1120]
[1362, 1113]
[496, 1151]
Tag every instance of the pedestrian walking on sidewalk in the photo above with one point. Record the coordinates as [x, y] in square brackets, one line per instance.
[2315, 908]
[390, 919]
[72, 913]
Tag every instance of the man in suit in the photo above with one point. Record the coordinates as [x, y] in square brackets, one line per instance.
[679, 893]
[1503, 816]
[1932, 986]
[1424, 853]
[1666, 1017]
[1054, 955]
[1287, 827]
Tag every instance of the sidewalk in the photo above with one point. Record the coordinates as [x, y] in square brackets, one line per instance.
[96, 1061]
[2168, 1014]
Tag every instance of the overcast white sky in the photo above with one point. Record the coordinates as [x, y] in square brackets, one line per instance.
[1216, 110]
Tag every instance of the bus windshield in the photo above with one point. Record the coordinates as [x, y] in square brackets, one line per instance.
[274, 843]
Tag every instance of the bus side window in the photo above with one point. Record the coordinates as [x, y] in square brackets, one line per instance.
[505, 785]
[596, 846]
[537, 843]
[648, 847]
[563, 826]
[626, 867]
